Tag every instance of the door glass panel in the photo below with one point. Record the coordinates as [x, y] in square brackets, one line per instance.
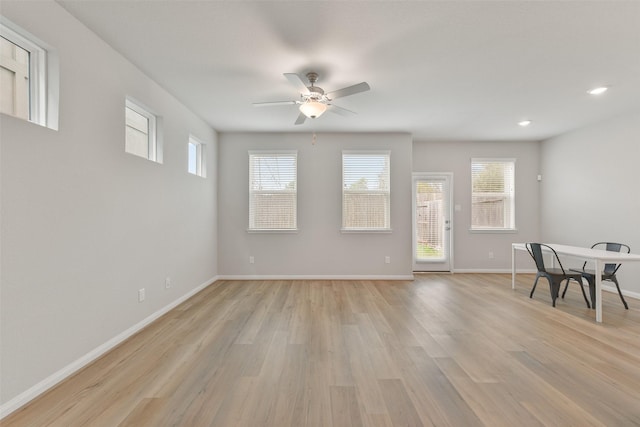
[430, 221]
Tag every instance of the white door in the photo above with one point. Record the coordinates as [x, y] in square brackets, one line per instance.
[432, 221]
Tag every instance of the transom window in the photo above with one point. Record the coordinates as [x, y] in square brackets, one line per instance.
[195, 151]
[22, 76]
[140, 138]
[273, 194]
[493, 194]
[366, 191]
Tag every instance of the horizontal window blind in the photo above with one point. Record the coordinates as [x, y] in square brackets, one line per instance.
[366, 191]
[140, 131]
[137, 134]
[14, 71]
[493, 194]
[273, 190]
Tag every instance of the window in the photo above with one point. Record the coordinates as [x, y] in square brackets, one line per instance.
[366, 191]
[493, 194]
[196, 157]
[23, 86]
[273, 196]
[140, 138]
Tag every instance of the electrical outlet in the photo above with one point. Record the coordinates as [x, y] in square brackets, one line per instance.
[387, 260]
[251, 260]
[167, 283]
[490, 255]
[141, 295]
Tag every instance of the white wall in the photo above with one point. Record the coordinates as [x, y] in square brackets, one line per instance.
[471, 249]
[319, 249]
[85, 225]
[590, 188]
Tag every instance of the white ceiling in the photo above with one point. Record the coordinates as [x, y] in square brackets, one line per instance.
[457, 70]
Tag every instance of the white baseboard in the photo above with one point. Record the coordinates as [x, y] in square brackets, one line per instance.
[496, 270]
[44, 385]
[317, 277]
[613, 289]
[607, 288]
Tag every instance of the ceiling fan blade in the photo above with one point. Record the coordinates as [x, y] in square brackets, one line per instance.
[350, 90]
[340, 110]
[271, 104]
[295, 80]
[301, 118]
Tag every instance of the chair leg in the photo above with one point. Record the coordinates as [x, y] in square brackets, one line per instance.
[583, 293]
[535, 283]
[614, 280]
[555, 291]
[566, 286]
[565, 289]
[592, 290]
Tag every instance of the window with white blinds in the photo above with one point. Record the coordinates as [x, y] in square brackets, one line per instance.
[493, 194]
[140, 131]
[273, 195]
[366, 191]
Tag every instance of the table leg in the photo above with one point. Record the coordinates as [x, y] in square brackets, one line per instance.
[513, 267]
[598, 273]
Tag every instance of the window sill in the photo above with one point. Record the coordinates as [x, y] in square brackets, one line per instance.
[271, 231]
[365, 230]
[493, 230]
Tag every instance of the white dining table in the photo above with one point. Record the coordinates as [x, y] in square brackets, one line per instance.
[599, 257]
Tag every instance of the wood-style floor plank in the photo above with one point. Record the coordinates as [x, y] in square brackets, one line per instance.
[442, 350]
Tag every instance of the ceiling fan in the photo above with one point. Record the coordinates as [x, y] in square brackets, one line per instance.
[313, 100]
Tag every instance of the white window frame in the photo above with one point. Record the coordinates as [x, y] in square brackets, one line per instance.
[152, 135]
[200, 150]
[510, 227]
[253, 191]
[43, 74]
[346, 228]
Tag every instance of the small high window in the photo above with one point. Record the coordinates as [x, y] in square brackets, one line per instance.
[195, 151]
[23, 76]
[140, 126]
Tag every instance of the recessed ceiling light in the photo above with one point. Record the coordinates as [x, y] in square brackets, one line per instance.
[524, 123]
[598, 90]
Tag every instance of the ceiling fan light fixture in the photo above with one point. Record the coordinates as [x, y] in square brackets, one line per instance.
[313, 109]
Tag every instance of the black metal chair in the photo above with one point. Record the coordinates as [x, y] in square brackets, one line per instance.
[609, 272]
[555, 276]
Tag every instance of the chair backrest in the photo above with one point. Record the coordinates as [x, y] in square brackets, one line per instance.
[535, 250]
[612, 247]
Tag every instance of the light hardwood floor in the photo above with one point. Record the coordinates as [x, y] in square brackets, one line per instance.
[443, 350]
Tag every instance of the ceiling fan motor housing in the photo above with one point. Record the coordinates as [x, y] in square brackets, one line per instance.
[315, 93]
